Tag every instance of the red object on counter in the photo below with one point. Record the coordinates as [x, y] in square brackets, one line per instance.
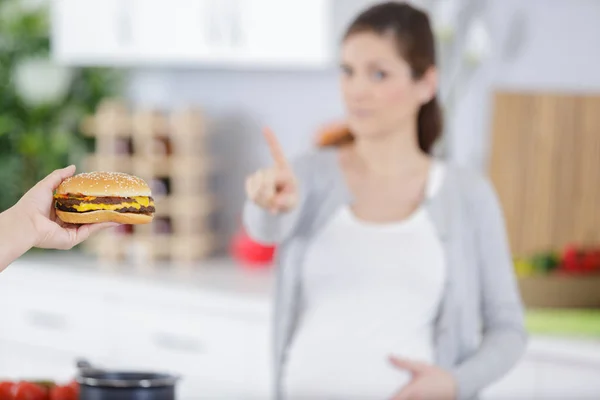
[251, 253]
[29, 391]
[66, 392]
[6, 390]
[75, 385]
[580, 261]
[24, 390]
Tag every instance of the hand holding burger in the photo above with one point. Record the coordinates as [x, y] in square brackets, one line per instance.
[33, 222]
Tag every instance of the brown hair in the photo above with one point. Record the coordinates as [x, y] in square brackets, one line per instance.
[412, 31]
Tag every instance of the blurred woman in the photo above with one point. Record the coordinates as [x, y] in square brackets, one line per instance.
[395, 279]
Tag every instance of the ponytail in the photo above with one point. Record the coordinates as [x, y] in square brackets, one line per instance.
[429, 129]
[429, 125]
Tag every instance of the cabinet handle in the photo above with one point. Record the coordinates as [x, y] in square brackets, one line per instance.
[177, 343]
[124, 23]
[46, 320]
[223, 20]
[236, 22]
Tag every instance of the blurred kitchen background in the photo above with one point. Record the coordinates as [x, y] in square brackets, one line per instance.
[177, 92]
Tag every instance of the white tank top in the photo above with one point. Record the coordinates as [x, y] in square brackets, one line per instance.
[369, 291]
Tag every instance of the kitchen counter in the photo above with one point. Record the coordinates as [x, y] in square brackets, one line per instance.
[208, 321]
[222, 274]
[220, 278]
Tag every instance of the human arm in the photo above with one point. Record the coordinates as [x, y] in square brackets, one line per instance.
[275, 197]
[32, 222]
[504, 335]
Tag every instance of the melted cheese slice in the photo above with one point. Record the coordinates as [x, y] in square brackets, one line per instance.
[140, 201]
[93, 207]
[145, 201]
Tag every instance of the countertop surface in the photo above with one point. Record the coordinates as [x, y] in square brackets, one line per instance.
[219, 276]
[223, 277]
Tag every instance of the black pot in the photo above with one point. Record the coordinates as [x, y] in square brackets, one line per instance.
[95, 384]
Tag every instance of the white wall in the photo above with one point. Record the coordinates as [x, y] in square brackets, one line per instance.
[562, 47]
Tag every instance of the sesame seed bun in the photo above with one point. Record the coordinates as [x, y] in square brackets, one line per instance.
[103, 184]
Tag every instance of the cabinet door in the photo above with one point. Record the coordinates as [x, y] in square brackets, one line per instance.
[19, 361]
[168, 32]
[569, 380]
[285, 33]
[200, 346]
[91, 31]
[57, 319]
[225, 33]
[518, 384]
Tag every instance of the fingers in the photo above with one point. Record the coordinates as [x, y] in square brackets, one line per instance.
[63, 236]
[275, 149]
[83, 232]
[282, 202]
[412, 366]
[272, 189]
[74, 235]
[407, 393]
[57, 176]
[275, 188]
[261, 187]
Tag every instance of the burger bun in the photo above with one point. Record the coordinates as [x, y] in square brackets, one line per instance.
[94, 217]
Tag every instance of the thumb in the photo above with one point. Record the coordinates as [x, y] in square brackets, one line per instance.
[412, 366]
[54, 179]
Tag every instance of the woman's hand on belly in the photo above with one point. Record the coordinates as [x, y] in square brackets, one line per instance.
[428, 382]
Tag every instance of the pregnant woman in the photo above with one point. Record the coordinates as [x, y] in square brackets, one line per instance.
[395, 279]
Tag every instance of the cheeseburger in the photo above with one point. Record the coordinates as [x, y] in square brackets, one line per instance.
[104, 197]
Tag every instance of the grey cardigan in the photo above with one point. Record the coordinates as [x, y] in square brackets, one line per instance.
[479, 330]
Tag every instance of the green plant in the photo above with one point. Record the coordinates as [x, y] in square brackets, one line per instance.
[41, 103]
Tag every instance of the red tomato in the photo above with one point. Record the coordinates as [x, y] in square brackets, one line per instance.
[6, 390]
[75, 385]
[29, 391]
[66, 392]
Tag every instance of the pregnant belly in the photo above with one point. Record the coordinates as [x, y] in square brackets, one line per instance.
[344, 370]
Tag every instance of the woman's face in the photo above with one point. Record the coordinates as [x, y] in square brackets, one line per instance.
[379, 92]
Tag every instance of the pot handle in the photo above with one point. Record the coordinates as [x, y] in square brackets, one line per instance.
[84, 365]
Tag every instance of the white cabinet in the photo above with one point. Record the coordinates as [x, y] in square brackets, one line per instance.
[569, 380]
[552, 369]
[217, 340]
[287, 33]
[91, 30]
[223, 33]
[518, 384]
[18, 361]
[68, 322]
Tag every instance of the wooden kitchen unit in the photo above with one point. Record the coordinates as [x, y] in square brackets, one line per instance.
[545, 165]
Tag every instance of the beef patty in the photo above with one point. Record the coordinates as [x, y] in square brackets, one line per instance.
[67, 205]
[73, 201]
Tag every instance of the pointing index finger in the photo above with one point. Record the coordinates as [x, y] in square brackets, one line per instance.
[275, 149]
